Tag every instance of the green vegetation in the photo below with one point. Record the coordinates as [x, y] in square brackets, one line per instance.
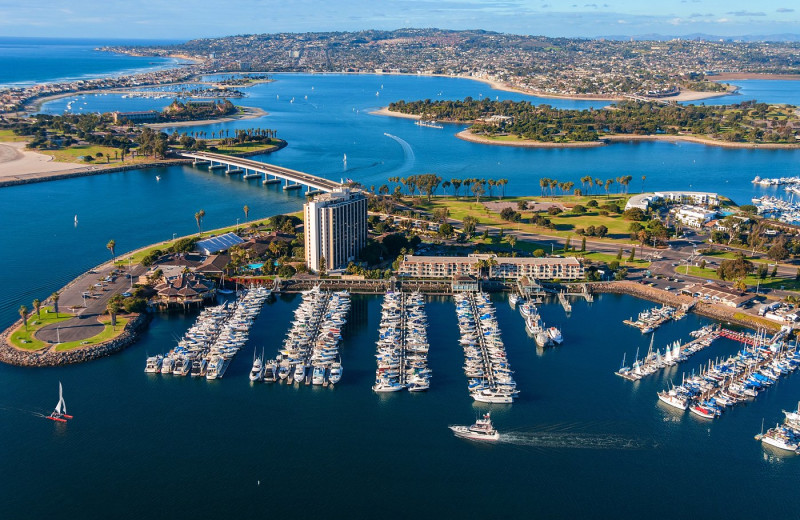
[26, 339]
[749, 121]
[193, 111]
[751, 280]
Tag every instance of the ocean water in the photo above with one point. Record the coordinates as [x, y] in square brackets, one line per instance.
[27, 61]
[581, 442]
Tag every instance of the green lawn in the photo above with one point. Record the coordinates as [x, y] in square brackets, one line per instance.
[8, 136]
[25, 339]
[73, 154]
[107, 334]
[752, 280]
[566, 223]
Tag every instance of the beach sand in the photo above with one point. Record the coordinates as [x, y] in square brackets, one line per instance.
[466, 135]
[249, 113]
[16, 161]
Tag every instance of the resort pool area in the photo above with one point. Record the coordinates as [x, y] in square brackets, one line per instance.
[255, 266]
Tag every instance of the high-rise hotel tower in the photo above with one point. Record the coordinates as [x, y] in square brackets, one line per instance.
[335, 228]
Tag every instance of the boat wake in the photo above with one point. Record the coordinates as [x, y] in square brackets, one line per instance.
[573, 441]
[408, 155]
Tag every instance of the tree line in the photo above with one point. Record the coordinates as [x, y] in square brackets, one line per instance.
[748, 121]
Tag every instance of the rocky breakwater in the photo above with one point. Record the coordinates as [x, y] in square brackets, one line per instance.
[641, 291]
[49, 357]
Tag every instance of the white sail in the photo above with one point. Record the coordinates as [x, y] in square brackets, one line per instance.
[60, 407]
[676, 351]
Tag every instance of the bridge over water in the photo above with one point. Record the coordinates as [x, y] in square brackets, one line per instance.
[271, 174]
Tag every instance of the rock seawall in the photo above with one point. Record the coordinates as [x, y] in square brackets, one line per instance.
[49, 357]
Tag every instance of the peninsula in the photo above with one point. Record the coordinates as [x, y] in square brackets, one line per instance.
[509, 123]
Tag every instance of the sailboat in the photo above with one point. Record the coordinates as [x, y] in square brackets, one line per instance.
[344, 159]
[60, 413]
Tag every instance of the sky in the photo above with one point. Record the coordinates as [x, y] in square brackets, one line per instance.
[182, 19]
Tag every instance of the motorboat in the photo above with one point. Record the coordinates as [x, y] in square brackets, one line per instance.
[153, 365]
[482, 430]
[336, 373]
[555, 335]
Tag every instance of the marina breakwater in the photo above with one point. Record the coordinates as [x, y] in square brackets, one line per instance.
[51, 357]
[709, 310]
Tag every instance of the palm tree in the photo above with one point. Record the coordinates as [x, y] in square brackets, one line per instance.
[113, 309]
[643, 179]
[246, 211]
[198, 217]
[110, 246]
[23, 313]
[37, 305]
[609, 182]
[456, 183]
[492, 184]
[543, 183]
[502, 183]
[55, 296]
[553, 184]
[512, 241]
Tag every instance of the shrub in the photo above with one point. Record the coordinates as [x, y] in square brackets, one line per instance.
[579, 209]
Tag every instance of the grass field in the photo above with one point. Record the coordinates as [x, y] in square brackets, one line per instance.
[74, 153]
[752, 280]
[107, 334]
[8, 136]
[566, 223]
[25, 339]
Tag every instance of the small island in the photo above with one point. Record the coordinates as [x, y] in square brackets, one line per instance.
[521, 123]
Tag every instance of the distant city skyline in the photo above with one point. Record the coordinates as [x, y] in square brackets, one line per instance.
[180, 19]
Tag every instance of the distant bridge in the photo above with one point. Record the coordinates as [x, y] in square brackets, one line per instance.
[644, 99]
[272, 174]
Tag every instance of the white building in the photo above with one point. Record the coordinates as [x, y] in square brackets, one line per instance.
[504, 267]
[700, 198]
[694, 216]
[335, 228]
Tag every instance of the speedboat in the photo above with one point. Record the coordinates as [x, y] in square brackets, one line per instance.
[555, 335]
[318, 375]
[513, 299]
[482, 430]
[299, 373]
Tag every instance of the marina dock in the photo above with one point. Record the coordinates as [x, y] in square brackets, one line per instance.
[402, 346]
[485, 361]
[217, 335]
[310, 352]
[673, 354]
[650, 320]
[739, 378]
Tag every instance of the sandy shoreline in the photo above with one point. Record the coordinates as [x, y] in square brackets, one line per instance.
[466, 135]
[15, 160]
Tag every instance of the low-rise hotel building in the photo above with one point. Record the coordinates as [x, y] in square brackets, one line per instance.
[499, 267]
[335, 229]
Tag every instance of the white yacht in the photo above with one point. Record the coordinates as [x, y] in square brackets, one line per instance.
[673, 399]
[153, 365]
[167, 365]
[299, 373]
[257, 372]
[336, 373]
[384, 386]
[489, 395]
[513, 299]
[482, 430]
[318, 375]
[782, 438]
